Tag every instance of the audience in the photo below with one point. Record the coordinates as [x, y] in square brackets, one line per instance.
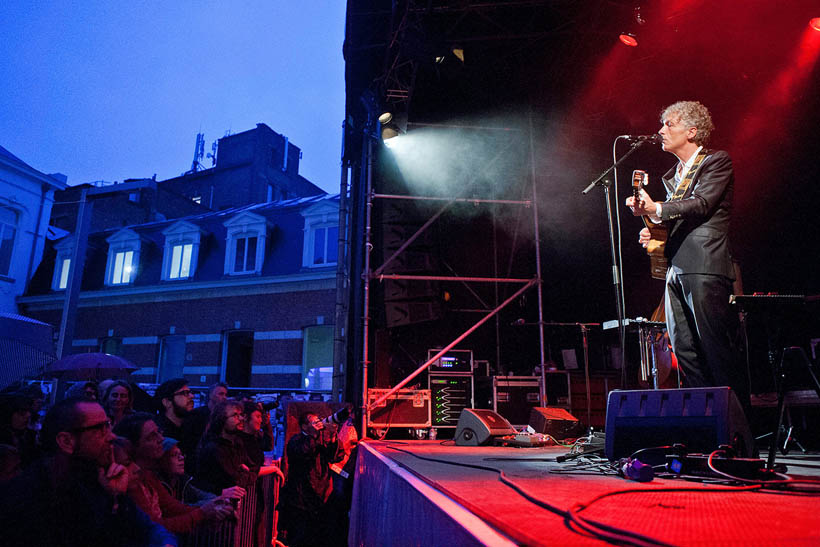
[145, 443]
[195, 424]
[15, 414]
[257, 438]
[304, 511]
[84, 390]
[175, 401]
[74, 497]
[171, 473]
[118, 401]
[222, 460]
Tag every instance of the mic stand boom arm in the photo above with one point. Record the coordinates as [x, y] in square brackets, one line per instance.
[616, 277]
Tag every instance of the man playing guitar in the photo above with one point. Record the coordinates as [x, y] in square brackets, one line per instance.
[699, 278]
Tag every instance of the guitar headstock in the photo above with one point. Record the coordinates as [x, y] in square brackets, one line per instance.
[639, 178]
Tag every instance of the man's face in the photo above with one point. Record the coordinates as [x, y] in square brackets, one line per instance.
[235, 420]
[676, 134]
[313, 426]
[218, 395]
[93, 436]
[149, 447]
[182, 402]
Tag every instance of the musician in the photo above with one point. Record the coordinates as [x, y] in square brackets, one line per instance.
[699, 279]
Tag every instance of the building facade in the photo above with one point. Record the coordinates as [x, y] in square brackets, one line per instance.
[26, 198]
[243, 295]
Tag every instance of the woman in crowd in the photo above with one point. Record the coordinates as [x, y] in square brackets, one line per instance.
[171, 473]
[118, 401]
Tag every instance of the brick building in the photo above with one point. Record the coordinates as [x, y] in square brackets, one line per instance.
[244, 295]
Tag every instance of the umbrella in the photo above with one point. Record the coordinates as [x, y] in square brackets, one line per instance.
[83, 366]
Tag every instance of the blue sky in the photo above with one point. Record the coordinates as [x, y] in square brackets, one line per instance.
[109, 90]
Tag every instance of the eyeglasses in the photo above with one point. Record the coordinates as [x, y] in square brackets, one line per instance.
[102, 426]
[184, 393]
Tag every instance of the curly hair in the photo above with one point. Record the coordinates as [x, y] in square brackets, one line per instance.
[219, 416]
[692, 114]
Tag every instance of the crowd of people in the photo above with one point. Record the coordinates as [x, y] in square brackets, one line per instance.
[106, 469]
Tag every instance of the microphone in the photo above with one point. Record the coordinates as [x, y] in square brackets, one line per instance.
[653, 139]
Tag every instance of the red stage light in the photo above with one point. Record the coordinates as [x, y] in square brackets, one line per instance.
[629, 39]
[815, 23]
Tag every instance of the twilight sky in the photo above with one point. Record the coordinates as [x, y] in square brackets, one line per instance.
[109, 90]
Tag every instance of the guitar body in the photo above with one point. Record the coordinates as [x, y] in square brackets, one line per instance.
[658, 264]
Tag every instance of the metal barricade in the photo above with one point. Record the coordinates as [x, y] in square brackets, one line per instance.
[255, 522]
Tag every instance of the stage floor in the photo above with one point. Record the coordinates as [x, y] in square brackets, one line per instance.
[672, 511]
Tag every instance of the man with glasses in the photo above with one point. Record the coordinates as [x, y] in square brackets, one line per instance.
[222, 460]
[175, 401]
[75, 496]
[304, 510]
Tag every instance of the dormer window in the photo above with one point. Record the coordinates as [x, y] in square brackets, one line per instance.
[62, 263]
[321, 235]
[123, 257]
[181, 252]
[245, 244]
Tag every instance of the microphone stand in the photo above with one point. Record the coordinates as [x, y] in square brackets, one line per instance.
[616, 275]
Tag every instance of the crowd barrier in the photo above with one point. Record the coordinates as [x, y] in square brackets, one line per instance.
[254, 525]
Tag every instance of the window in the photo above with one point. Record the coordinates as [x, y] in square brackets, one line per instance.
[62, 263]
[317, 357]
[245, 244]
[181, 261]
[181, 251]
[321, 234]
[325, 245]
[8, 230]
[123, 267]
[123, 257]
[134, 197]
[65, 268]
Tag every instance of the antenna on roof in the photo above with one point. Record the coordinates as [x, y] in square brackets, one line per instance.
[199, 153]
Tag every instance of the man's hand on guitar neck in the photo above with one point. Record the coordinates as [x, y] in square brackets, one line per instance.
[644, 205]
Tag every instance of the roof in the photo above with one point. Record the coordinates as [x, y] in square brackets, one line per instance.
[12, 160]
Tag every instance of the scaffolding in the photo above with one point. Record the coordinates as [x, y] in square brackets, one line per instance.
[523, 284]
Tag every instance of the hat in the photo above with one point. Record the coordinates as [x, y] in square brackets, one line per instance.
[168, 443]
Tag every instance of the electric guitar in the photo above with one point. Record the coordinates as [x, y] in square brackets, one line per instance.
[658, 233]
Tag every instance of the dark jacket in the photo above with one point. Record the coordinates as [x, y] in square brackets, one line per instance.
[698, 223]
[219, 465]
[59, 502]
[309, 484]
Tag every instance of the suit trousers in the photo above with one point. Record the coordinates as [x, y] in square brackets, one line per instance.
[702, 327]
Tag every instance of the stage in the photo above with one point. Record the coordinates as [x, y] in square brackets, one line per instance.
[434, 493]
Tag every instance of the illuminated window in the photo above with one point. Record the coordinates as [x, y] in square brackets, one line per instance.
[62, 263]
[181, 251]
[123, 257]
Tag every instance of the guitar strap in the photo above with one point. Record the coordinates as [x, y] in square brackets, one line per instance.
[684, 185]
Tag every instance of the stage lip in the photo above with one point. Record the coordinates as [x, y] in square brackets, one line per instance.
[471, 522]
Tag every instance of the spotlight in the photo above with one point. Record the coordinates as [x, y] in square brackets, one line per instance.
[390, 128]
[629, 39]
[815, 24]
[639, 18]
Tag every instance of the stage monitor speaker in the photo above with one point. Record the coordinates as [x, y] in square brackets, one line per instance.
[701, 418]
[478, 426]
[556, 422]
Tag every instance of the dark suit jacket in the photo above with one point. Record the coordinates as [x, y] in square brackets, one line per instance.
[699, 222]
